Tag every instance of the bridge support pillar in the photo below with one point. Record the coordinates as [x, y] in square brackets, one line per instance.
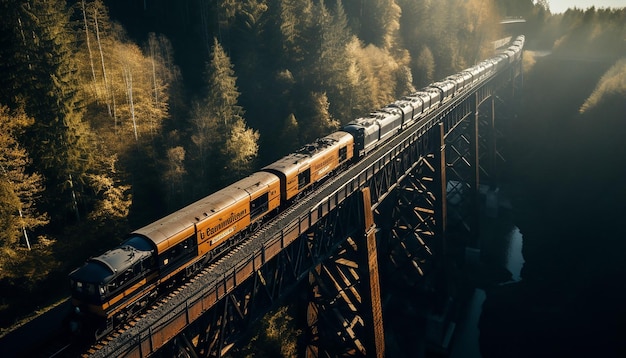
[441, 185]
[493, 145]
[344, 314]
[474, 156]
[368, 260]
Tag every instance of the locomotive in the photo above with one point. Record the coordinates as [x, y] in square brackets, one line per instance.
[108, 289]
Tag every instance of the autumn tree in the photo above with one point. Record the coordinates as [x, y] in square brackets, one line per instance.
[174, 177]
[326, 72]
[114, 198]
[130, 92]
[44, 81]
[140, 92]
[425, 67]
[294, 20]
[26, 254]
[457, 34]
[320, 120]
[240, 150]
[20, 190]
[129, 87]
[97, 35]
[219, 127]
[478, 28]
[378, 21]
[383, 77]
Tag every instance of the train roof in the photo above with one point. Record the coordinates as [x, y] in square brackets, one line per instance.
[305, 153]
[419, 95]
[101, 269]
[321, 143]
[255, 182]
[180, 225]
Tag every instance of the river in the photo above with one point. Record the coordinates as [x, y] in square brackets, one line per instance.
[499, 262]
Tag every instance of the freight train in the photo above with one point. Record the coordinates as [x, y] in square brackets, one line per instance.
[111, 287]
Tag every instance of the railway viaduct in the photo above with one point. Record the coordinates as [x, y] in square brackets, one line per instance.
[385, 237]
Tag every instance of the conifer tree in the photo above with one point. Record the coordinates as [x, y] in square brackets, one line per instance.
[240, 150]
[44, 81]
[331, 62]
[223, 95]
[295, 20]
[321, 122]
[219, 127]
[174, 177]
[379, 22]
[20, 190]
[204, 139]
[287, 140]
[425, 67]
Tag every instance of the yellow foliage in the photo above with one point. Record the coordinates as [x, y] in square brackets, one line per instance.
[613, 81]
[377, 69]
[241, 146]
[277, 324]
[276, 336]
[528, 61]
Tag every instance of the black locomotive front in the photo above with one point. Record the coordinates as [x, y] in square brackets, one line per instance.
[108, 286]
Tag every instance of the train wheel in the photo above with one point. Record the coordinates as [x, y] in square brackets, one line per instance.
[103, 331]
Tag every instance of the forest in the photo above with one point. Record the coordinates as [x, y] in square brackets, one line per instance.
[115, 113]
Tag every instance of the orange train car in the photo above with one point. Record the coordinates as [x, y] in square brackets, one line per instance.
[300, 170]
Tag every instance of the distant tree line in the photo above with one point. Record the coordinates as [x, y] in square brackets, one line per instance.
[589, 33]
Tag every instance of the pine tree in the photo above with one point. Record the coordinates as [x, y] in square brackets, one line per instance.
[240, 150]
[379, 22]
[223, 95]
[295, 20]
[223, 145]
[320, 121]
[174, 177]
[331, 62]
[287, 140]
[425, 67]
[45, 82]
[204, 139]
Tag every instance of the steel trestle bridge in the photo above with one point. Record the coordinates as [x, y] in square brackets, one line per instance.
[391, 222]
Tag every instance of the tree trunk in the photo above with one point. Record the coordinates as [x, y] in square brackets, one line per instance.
[104, 71]
[128, 80]
[93, 70]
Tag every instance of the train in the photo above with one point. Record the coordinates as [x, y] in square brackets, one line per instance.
[110, 288]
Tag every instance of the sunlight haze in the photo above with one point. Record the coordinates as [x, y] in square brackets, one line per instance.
[559, 6]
